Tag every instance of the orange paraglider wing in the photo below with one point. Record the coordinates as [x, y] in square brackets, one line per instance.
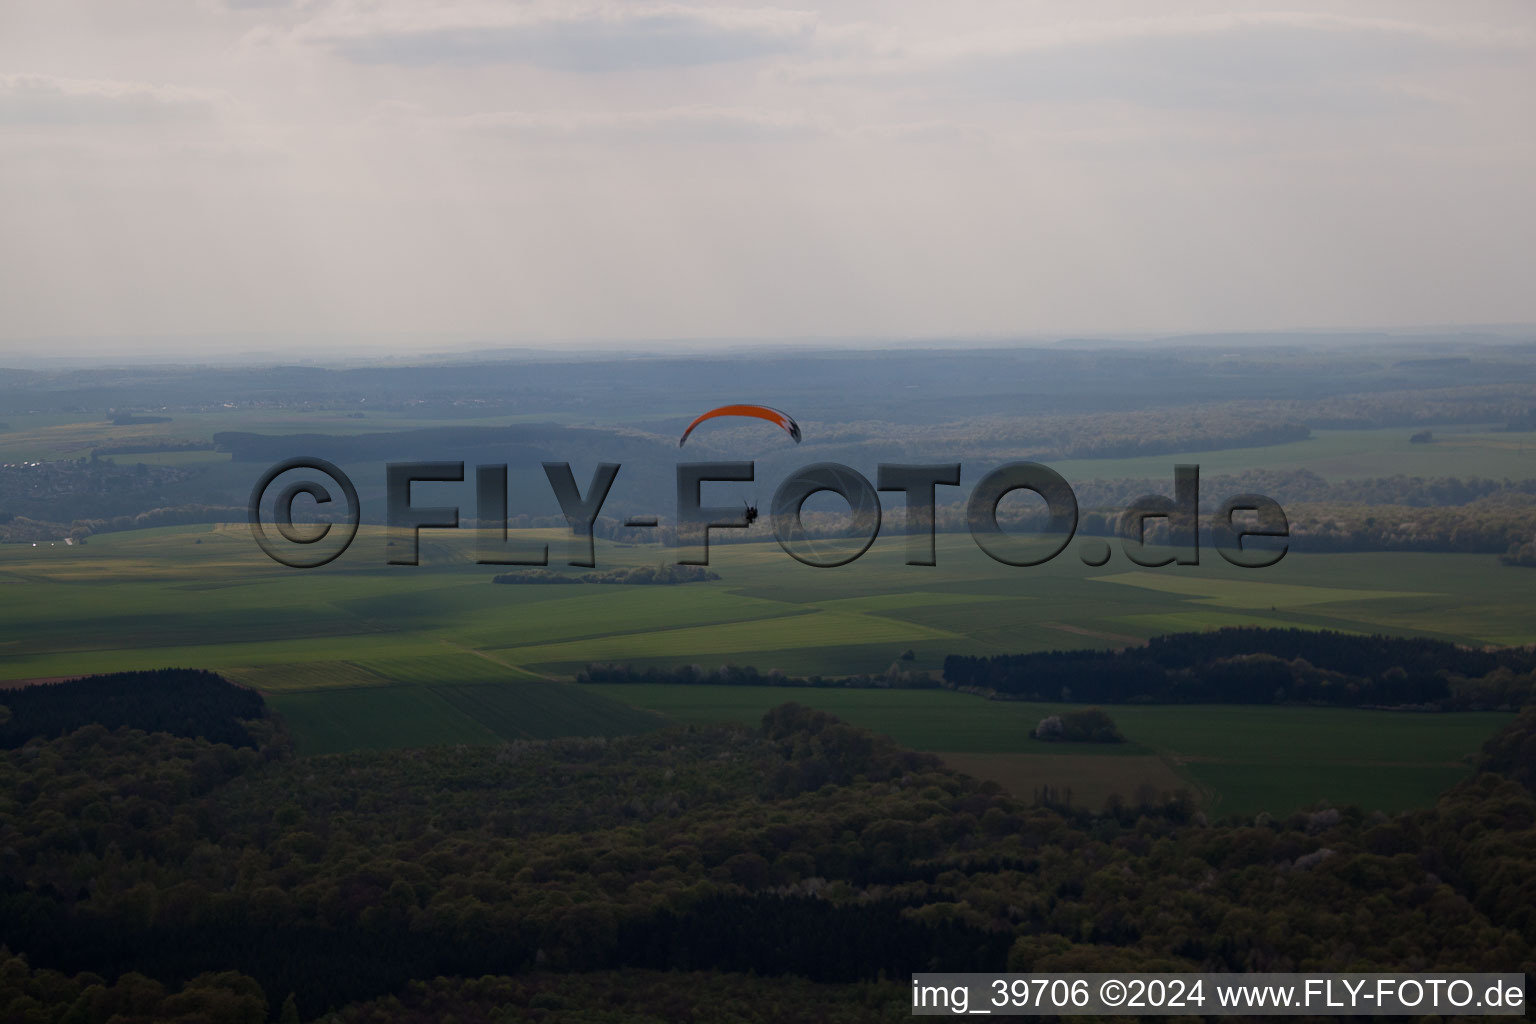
[782, 420]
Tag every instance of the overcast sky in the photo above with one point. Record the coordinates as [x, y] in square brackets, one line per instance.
[545, 172]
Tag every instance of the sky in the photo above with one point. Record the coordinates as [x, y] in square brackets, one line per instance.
[530, 173]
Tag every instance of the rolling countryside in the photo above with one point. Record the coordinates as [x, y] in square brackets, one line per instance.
[364, 655]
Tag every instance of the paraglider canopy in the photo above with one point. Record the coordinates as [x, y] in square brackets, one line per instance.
[762, 412]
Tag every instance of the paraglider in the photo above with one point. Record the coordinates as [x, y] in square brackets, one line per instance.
[762, 412]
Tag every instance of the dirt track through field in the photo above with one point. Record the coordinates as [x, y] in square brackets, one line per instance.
[16, 684]
[1114, 638]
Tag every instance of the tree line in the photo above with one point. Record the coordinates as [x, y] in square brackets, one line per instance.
[1249, 665]
[1235, 665]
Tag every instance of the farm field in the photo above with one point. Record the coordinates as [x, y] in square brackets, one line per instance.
[363, 654]
[1333, 454]
[205, 595]
[1341, 454]
[485, 712]
[64, 435]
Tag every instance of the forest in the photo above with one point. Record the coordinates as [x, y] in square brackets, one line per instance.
[71, 491]
[156, 876]
[180, 702]
[1251, 665]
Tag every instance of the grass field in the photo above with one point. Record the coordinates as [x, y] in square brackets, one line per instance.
[363, 654]
[1342, 454]
[64, 435]
[1335, 454]
[412, 715]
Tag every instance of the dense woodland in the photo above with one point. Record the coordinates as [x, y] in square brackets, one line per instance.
[181, 702]
[1262, 666]
[152, 875]
[69, 492]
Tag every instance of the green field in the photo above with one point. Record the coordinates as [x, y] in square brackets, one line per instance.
[1339, 455]
[1460, 451]
[47, 436]
[363, 654]
[412, 715]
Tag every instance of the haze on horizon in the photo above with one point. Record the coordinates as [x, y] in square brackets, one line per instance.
[547, 173]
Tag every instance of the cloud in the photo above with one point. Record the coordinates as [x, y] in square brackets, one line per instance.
[628, 37]
[1259, 62]
[1078, 34]
[932, 132]
[868, 168]
[699, 124]
[42, 99]
[674, 124]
